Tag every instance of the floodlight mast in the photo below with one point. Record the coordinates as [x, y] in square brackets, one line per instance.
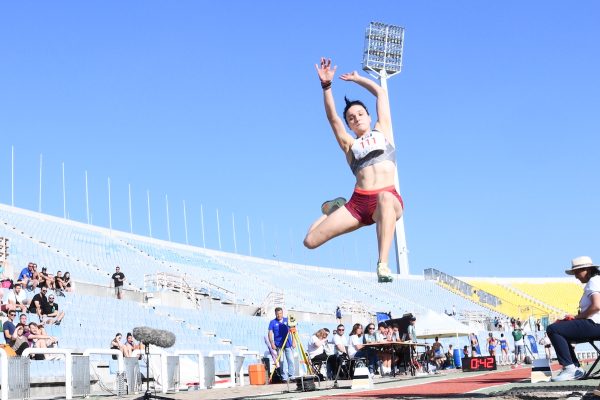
[382, 58]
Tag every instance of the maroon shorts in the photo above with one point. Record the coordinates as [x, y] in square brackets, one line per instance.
[362, 204]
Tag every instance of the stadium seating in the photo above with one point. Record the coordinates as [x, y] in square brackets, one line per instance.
[237, 284]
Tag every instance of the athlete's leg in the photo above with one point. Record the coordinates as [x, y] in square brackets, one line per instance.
[387, 212]
[330, 226]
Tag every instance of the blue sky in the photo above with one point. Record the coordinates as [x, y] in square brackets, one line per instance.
[218, 104]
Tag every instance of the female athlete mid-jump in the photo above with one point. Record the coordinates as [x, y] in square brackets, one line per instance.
[372, 159]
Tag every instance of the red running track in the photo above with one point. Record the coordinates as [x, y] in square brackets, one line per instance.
[449, 387]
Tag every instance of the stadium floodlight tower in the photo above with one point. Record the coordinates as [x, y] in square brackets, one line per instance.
[382, 58]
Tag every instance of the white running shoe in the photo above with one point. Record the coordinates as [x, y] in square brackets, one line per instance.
[569, 374]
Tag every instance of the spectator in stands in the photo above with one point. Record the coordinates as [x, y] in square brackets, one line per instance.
[46, 280]
[59, 281]
[504, 360]
[338, 314]
[118, 279]
[20, 341]
[316, 349]
[68, 282]
[23, 320]
[39, 339]
[538, 325]
[278, 331]
[513, 322]
[492, 343]
[17, 298]
[518, 337]
[51, 313]
[8, 327]
[583, 327]
[26, 277]
[38, 303]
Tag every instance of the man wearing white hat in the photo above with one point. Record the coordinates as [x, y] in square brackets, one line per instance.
[584, 327]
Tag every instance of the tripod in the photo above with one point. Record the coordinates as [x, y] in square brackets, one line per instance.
[149, 395]
[303, 355]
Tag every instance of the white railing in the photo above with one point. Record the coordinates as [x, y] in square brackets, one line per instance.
[68, 365]
[247, 353]
[163, 365]
[231, 364]
[118, 353]
[202, 383]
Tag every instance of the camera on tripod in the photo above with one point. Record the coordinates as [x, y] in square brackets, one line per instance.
[292, 321]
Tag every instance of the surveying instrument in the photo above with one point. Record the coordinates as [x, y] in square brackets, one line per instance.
[302, 355]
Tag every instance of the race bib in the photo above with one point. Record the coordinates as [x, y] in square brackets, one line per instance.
[373, 141]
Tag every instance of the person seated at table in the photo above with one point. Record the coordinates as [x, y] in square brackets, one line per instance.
[395, 334]
[357, 349]
[385, 357]
[371, 337]
[316, 349]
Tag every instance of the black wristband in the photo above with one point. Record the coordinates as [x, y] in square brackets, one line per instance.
[325, 85]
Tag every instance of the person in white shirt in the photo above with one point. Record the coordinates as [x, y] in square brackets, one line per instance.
[583, 327]
[316, 345]
[356, 347]
[340, 341]
[316, 349]
[17, 298]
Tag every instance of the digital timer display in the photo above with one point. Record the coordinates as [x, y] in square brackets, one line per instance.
[487, 363]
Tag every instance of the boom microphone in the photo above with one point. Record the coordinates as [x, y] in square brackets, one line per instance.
[157, 337]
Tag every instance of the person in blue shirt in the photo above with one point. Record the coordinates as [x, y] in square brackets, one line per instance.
[26, 277]
[278, 331]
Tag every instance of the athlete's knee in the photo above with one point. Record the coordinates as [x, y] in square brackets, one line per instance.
[310, 242]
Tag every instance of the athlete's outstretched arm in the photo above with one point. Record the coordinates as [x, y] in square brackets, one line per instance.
[384, 119]
[326, 74]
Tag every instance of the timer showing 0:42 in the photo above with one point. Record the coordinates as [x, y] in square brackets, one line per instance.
[487, 363]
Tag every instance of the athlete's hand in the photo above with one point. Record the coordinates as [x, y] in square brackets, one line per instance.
[350, 76]
[325, 71]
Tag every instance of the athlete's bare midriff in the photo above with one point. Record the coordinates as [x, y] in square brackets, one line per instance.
[376, 176]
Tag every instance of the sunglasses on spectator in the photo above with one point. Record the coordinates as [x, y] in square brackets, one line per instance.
[12, 314]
